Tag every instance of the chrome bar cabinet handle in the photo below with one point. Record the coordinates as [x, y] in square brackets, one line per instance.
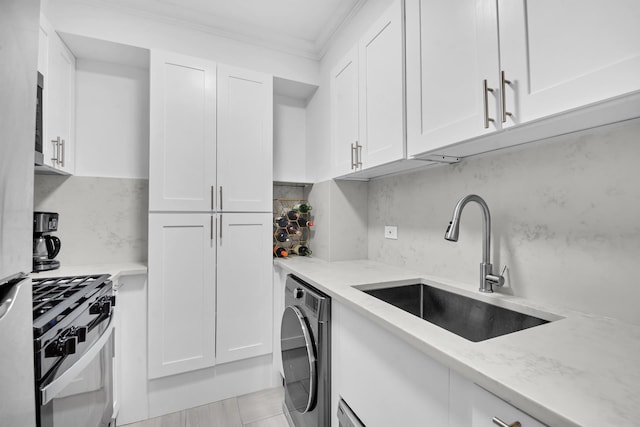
[485, 97]
[56, 150]
[353, 163]
[499, 422]
[503, 83]
[221, 199]
[62, 156]
[358, 155]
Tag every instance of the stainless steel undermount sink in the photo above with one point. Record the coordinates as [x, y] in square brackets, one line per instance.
[467, 317]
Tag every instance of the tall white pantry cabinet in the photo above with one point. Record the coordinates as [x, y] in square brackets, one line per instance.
[210, 195]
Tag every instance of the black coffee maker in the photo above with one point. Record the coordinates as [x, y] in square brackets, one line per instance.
[45, 246]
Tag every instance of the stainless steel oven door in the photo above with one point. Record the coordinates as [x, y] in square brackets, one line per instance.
[83, 394]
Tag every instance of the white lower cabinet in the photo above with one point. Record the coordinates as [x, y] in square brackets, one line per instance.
[384, 380]
[130, 361]
[244, 289]
[279, 283]
[387, 382]
[182, 292]
[210, 290]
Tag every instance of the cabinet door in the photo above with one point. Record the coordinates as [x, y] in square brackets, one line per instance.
[182, 151]
[373, 371]
[182, 293]
[563, 55]
[381, 80]
[60, 104]
[344, 113]
[245, 140]
[452, 48]
[245, 290]
[279, 283]
[486, 406]
[43, 67]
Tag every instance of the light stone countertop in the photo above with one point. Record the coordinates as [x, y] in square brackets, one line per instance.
[578, 370]
[115, 270]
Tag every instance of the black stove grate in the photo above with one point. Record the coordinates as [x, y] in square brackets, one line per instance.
[55, 298]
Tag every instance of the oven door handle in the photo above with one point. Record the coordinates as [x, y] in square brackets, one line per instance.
[52, 389]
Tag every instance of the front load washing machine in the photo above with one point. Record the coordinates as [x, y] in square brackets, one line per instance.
[305, 340]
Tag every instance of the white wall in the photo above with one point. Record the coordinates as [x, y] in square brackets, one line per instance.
[289, 140]
[565, 217]
[102, 220]
[112, 120]
[114, 24]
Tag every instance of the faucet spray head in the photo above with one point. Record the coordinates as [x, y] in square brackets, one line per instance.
[452, 231]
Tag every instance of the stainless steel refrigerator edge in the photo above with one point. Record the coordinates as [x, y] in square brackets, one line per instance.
[18, 80]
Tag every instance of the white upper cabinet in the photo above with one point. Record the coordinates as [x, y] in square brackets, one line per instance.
[452, 51]
[563, 55]
[381, 71]
[245, 140]
[58, 66]
[479, 66]
[367, 98]
[182, 153]
[182, 292]
[344, 114]
[245, 292]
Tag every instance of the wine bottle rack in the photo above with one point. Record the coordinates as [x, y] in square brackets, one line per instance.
[281, 208]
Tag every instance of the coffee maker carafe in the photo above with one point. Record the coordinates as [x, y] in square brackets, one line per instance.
[45, 246]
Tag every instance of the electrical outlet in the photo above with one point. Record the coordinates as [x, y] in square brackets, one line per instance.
[391, 232]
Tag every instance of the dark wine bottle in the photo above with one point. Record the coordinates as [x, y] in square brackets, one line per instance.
[279, 252]
[282, 235]
[303, 222]
[301, 250]
[293, 215]
[293, 229]
[302, 207]
[282, 221]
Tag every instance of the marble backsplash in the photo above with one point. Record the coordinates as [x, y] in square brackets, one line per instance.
[565, 217]
[102, 220]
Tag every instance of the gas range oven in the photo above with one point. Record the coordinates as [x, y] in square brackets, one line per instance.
[73, 350]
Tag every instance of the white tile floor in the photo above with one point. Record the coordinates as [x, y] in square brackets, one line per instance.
[260, 409]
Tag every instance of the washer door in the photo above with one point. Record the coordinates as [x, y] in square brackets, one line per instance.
[298, 360]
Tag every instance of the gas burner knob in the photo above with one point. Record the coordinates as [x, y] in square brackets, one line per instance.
[298, 293]
[102, 306]
[81, 333]
[62, 347]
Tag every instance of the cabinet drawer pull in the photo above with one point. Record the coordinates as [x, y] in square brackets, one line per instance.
[485, 97]
[221, 199]
[56, 150]
[501, 423]
[62, 153]
[503, 83]
[212, 197]
[353, 163]
[358, 155]
[211, 233]
[220, 228]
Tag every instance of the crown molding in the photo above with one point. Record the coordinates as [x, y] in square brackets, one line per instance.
[326, 37]
[296, 46]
